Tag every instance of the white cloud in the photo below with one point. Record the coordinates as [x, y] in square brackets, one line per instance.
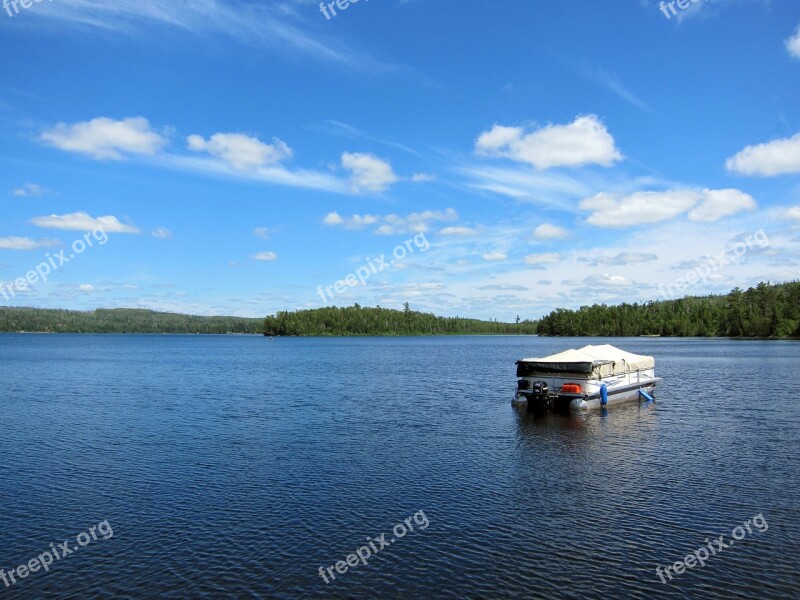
[793, 44]
[262, 232]
[332, 219]
[458, 231]
[265, 256]
[25, 243]
[227, 155]
[359, 221]
[29, 190]
[792, 213]
[546, 231]
[368, 172]
[603, 280]
[721, 203]
[415, 222]
[104, 138]
[161, 233]
[550, 258]
[585, 141]
[241, 151]
[86, 288]
[614, 210]
[495, 256]
[422, 177]
[778, 157]
[81, 221]
[625, 258]
[353, 222]
[640, 208]
[391, 224]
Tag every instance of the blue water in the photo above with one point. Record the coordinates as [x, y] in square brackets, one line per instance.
[238, 466]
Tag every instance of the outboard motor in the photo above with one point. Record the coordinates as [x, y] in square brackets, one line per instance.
[539, 400]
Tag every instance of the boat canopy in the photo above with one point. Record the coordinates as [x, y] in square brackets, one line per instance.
[596, 361]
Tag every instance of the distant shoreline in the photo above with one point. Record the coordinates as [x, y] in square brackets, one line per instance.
[766, 311]
[435, 335]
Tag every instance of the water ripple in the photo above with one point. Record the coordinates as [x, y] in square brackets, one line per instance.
[236, 467]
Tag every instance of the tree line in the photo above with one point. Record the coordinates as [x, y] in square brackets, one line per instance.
[123, 320]
[364, 321]
[765, 310]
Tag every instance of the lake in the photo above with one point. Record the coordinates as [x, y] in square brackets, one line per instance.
[243, 467]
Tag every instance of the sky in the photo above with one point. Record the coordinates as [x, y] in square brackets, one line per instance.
[478, 159]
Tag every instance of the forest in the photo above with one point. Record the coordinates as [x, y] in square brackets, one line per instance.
[122, 320]
[765, 310]
[363, 321]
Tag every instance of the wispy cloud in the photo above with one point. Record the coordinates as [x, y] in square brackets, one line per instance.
[611, 82]
[263, 232]
[161, 233]
[278, 26]
[33, 190]
[556, 190]
[543, 259]
[458, 231]
[625, 258]
[344, 130]
[81, 221]
[275, 174]
[25, 243]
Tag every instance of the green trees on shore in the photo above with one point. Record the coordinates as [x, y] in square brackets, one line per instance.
[121, 320]
[762, 311]
[355, 320]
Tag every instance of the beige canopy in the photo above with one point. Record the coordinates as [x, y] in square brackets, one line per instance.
[600, 361]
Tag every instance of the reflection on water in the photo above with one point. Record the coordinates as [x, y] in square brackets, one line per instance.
[635, 421]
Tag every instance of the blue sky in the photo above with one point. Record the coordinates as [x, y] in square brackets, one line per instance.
[243, 156]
